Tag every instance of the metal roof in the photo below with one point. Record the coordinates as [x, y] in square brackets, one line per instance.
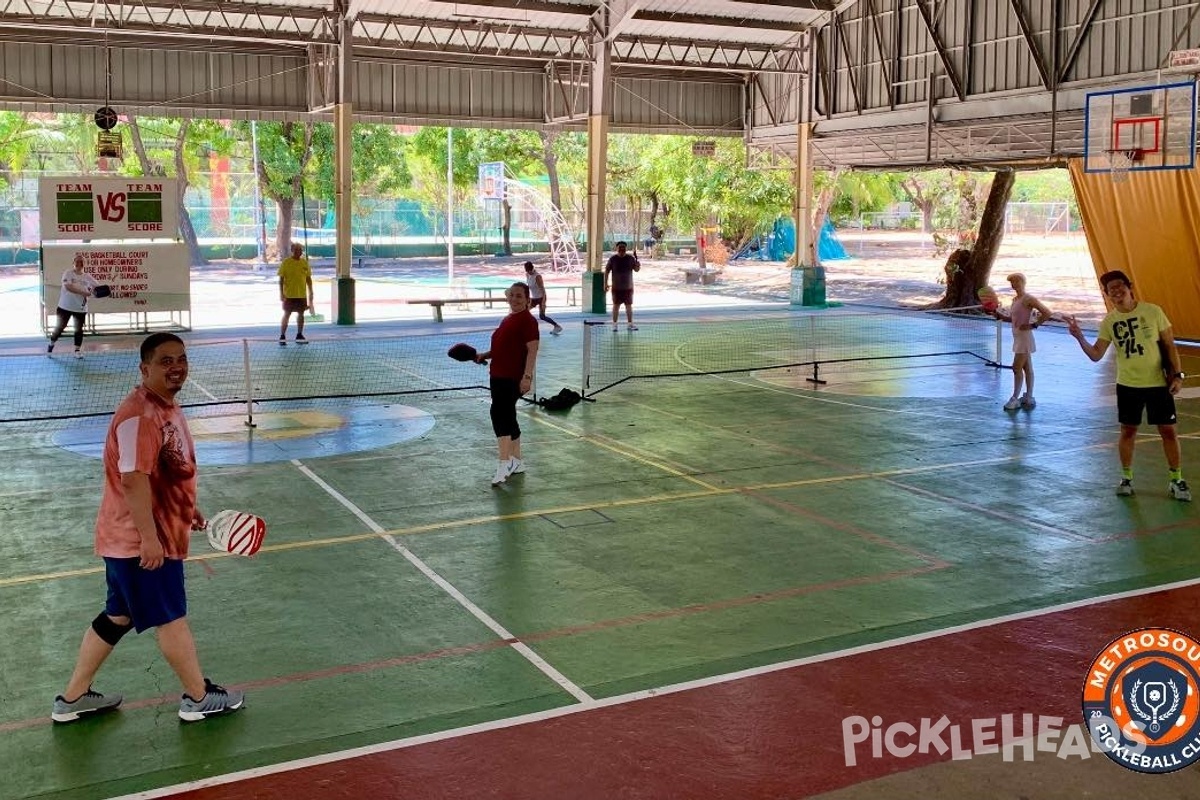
[679, 34]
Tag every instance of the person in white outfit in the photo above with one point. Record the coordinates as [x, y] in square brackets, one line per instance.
[537, 295]
[77, 287]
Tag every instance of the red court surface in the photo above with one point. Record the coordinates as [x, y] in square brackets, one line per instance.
[770, 733]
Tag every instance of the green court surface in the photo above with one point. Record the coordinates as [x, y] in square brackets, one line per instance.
[673, 529]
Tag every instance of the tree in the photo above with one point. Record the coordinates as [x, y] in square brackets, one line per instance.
[284, 152]
[969, 269]
[185, 144]
[379, 163]
[701, 190]
[18, 139]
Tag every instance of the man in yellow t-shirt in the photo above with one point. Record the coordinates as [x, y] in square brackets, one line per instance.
[1148, 375]
[295, 277]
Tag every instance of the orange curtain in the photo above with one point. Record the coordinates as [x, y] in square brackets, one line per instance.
[1149, 226]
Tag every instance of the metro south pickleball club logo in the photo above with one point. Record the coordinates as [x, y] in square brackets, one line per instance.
[1142, 700]
[138, 208]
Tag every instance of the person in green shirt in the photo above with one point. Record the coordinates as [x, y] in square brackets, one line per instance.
[1148, 375]
[295, 277]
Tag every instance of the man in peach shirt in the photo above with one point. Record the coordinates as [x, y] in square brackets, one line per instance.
[143, 529]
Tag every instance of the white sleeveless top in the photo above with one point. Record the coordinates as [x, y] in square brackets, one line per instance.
[535, 291]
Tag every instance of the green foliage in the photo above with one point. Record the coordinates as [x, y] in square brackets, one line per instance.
[284, 148]
[1043, 186]
[699, 190]
[378, 166]
[858, 193]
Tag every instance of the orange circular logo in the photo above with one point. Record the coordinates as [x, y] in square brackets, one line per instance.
[1141, 700]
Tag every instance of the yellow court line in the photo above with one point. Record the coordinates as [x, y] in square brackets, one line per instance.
[709, 491]
[630, 454]
[416, 529]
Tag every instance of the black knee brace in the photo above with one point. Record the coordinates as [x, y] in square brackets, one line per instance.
[109, 631]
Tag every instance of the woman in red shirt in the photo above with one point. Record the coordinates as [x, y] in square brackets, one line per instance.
[513, 355]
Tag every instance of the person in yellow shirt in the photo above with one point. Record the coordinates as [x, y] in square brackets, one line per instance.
[295, 292]
[1148, 375]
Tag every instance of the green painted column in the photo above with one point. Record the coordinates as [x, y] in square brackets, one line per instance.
[594, 300]
[343, 300]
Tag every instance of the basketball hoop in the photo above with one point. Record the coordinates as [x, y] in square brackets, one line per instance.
[1123, 162]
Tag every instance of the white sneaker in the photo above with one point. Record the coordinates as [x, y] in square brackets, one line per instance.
[502, 473]
[1028, 403]
[78, 353]
[616, 327]
[1013, 403]
[557, 330]
[631, 327]
[515, 466]
[1180, 491]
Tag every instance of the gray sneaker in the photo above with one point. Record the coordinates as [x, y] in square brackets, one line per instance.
[1180, 491]
[88, 703]
[1125, 488]
[216, 700]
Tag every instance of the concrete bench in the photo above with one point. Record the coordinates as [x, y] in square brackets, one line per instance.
[704, 276]
[572, 297]
[437, 304]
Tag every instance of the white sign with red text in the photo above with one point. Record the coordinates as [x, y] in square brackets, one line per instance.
[142, 277]
[88, 207]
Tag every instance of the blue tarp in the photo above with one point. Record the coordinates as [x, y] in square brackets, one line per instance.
[783, 241]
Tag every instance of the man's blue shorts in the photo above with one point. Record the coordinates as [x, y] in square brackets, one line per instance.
[149, 597]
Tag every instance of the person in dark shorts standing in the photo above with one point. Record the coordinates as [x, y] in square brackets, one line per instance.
[77, 287]
[1148, 375]
[147, 514]
[537, 295]
[513, 354]
[295, 292]
[618, 274]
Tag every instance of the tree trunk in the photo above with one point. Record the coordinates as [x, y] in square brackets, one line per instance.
[967, 271]
[505, 228]
[926, 216]
[186, 229]
[550, 158]
[701, 243]
[283, 230]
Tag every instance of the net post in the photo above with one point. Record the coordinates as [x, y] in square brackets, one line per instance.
[586, 360]
[816, 376]
[249, 383]
[999, 343]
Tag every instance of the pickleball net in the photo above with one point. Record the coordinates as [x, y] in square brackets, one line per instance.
[249, 371]
[817, 345]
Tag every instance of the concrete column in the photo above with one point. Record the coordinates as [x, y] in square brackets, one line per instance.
[343, 124]
[600, 109]
[805, 268]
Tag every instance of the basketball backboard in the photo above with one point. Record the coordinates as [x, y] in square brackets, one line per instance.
[1142, 128]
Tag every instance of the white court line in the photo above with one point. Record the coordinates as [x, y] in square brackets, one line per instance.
[549, 671]
[632, 697]
[199, 386]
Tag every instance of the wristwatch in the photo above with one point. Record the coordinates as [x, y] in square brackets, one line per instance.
[1179, 375]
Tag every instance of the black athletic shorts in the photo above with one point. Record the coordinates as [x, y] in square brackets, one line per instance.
[1157, 401]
